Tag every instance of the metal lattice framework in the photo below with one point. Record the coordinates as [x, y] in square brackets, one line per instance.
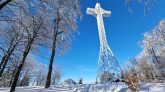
[107, 62]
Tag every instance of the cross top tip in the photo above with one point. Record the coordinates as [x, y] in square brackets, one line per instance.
[97, 5]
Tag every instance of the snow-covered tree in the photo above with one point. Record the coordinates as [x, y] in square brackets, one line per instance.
[33, 27]
[150, 63]
[40, 73]
[27, 72]
[159, 32]
[64, 15]
[149, 46]
[56, 74]
[159, 35]
[9, 44]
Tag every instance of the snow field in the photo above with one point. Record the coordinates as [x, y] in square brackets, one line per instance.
[109, 87]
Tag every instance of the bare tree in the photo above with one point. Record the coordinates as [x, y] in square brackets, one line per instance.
[131, 75]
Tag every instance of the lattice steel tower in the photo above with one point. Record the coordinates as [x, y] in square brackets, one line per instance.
[107, 63]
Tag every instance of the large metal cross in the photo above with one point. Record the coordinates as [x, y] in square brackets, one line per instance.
[107, 62]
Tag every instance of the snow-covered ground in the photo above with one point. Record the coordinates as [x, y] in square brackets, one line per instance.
[113, 87]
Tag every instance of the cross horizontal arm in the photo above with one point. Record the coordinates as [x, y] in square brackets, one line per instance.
[91, 11]
[105, 13]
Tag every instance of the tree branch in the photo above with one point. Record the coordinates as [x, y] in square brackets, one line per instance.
[4, 4]
[60, 32]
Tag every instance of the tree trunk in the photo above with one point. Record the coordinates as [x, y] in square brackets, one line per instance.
[4, 4]
[48, 81]
[154, 57]
[51, 62]
[50, 68]
[25, 53]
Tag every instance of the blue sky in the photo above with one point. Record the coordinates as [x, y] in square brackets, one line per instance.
[123, 31]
